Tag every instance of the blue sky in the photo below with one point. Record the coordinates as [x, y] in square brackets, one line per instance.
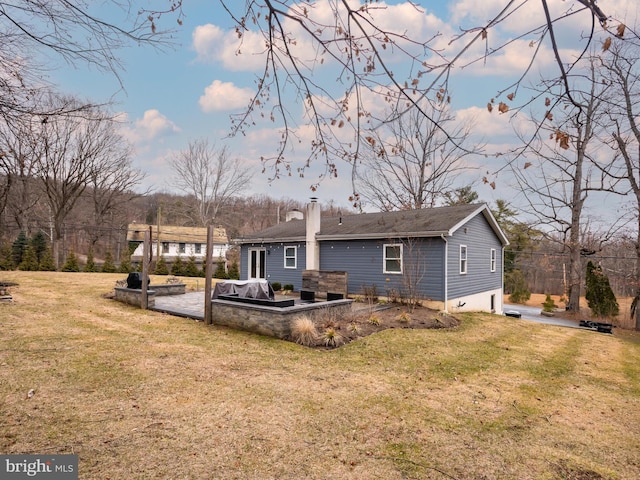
[185, 92]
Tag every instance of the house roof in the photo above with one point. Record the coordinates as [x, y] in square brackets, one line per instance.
[426, 222]
[172, 233]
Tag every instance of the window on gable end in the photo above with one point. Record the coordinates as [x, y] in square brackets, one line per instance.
[493, 259]
[463, 259]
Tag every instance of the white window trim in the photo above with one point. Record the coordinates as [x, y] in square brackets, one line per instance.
[464, 260]
[384, 258]
[295, 256]
[493, 259]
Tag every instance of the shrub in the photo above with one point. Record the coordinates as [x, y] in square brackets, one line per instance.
[29, 260]
[6, 258]
[303, 331]
[125, 263]
[404, 317]
[234, 272]
[47, 264]
[90, 266]
[71, 264]
[374, 320]
[599, 294]
[516, 285]
[191, 269]
[288, 286]
[548, 305]
[277, 286]
[108, 266]
[178, 268]
[370, 293]
[221, 271]
[161, 267]
[331, 338]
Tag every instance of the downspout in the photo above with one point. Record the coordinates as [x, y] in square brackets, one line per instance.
[446, 273]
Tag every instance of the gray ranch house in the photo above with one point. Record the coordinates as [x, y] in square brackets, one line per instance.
[451, 257]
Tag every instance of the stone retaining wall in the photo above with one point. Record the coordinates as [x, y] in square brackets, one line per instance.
[133, 296]
[271, 321]
[169, 289]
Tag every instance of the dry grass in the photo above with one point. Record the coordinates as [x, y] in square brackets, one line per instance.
[304, 331]
[141, 395]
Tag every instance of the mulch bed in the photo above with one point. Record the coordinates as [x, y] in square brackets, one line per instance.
[366, 320]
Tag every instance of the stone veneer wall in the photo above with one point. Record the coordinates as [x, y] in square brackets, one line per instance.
[133, 296]
[169, 289]
[322, 282]
[271, 321]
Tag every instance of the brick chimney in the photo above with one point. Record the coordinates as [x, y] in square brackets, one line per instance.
[313, 227]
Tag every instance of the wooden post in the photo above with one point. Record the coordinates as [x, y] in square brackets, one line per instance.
[146, 248]
[208, 276]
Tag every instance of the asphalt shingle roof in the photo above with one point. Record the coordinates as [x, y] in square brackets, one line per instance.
[413, 223]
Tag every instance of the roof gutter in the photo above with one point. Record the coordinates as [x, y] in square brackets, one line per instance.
[381, 235]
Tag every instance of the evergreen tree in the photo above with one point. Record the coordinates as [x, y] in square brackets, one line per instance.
[46, 262]
[39, 244]
[234, 271]
[161, 267]
[600, 297]
[125, 263]
[177, 268]
[90, 266]
[108, 266]
[71, 263]
[18, 248]
[516, 286]
[6, 258]
[220, 272]
[29, 261]
[191, 269]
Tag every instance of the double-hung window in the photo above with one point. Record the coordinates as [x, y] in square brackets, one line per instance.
[290, 257]
[393, 258]
[463, 259]
[493, 259]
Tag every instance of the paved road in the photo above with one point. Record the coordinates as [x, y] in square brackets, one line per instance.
[533, 314]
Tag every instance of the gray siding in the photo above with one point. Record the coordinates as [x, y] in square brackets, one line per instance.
[363, 260]
[479, 238]
[275, 270]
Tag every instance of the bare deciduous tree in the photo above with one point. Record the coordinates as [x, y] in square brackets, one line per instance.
[211, 176]
[73, 153]
[412, 163]
[563, 168]
[621, 63]
[364, 55]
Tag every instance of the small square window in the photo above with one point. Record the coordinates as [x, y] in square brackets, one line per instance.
[182, 248]
[393, 258]
[198, 248]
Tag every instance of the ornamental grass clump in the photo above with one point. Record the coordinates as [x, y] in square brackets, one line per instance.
[331, 338]
[304, 332]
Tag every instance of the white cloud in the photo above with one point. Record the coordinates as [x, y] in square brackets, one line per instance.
[152, 125]
[212, 44]
[224, 96]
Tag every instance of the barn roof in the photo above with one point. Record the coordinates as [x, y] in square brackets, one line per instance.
[176, 234]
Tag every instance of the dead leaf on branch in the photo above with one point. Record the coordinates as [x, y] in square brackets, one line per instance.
[489, 107]
[527, 165]
[547, 102]
[510, 96]
[606, 44]
[562, 139]
[548, 115]
[503, 107]
[620, 30]
[484, 34]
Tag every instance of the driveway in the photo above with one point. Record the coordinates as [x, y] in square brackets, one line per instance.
[533, 314]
